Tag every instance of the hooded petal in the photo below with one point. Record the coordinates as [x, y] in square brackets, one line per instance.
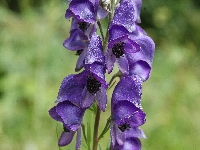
[128, 88]
[70, 114]
[83, 10]
[95, 51]
[71, 89]
[102, 98]
[66, 138]
[125, 15]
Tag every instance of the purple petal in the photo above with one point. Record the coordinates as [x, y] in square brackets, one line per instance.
[113, 132]
[70, 114]
[87, 99]
[95, 51]
[141, 62]
[125, 15]
[54, 114]
[122, 111]
[110, 60]
[71, 89]
[80, 61]
[101, 13]
[83, 10]
[123, 65]
[78, 139]
[128, 88]
[68, 14]
[135, 132]
[131, 144]
[102, 98]
[116, 32]
[137, 119]
[98, 71]
[76, 41]
[66, 138]
[140, 68]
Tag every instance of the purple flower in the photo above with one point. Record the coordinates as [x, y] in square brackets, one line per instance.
[83, 88]
[71, 117]
[133, 52]
[119, 46]
[127, 114]
[126, 119]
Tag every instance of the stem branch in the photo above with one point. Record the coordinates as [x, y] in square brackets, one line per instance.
[96, 126]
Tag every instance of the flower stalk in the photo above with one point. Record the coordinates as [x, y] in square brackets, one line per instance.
[125, 44]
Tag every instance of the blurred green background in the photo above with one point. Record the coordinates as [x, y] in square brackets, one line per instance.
[33, 63]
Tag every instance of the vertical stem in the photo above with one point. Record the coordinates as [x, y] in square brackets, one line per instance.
[96, 126]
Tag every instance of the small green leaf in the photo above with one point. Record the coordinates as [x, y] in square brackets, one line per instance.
[106, 128]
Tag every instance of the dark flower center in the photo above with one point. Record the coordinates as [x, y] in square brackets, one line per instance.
[93, 85]
[124, 127]
[83, 26]
[65, 129]
[78, 52]
[118, 49]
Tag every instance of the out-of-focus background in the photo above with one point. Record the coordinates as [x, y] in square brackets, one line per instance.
[33, 63]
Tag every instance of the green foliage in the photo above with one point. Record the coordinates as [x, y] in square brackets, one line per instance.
[33, 63]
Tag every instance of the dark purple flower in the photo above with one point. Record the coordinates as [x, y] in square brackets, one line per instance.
[119, 46]
[126, 119]
[71, 117]
[83, 88]
[137, 56]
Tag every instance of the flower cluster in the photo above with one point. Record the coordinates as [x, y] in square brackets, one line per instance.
[129, 46]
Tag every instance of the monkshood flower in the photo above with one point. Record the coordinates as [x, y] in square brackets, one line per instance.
[83, 88]
[88, 53]
[133, 52]
[71, 117]
[125, 131]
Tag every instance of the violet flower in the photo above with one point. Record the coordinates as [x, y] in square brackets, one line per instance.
[126, 119]
[127, 114]
[83, 88]
[71, 117]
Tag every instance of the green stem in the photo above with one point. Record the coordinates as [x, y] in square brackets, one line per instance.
[101, 30]
[96, 126]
